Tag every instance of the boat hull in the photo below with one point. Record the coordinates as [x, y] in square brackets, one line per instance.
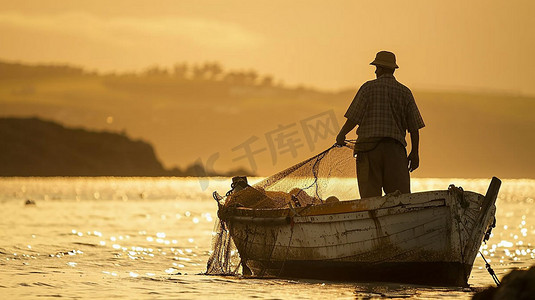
[424, 273]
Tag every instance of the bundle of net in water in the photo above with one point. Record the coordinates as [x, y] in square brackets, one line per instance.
[329, 176]
[224, 259]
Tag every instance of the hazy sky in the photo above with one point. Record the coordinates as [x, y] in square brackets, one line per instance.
[483, 45]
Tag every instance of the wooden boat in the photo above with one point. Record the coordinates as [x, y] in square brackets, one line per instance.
[429, 238]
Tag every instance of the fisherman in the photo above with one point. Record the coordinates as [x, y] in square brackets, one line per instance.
[384, 111]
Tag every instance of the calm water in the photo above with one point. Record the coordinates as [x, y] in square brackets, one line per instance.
[150, 238]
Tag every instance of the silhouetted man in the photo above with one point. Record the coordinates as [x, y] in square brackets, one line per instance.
[384, 111]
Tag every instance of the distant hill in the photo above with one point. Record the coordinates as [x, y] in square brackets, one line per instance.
[33, 147]
[224, 119]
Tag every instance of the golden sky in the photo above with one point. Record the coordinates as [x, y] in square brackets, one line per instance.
[483, 45]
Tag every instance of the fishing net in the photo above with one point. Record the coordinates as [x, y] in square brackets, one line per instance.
[224, 259]
[329, 176]
[326, 177]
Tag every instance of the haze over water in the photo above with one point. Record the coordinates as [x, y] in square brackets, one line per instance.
[151, 237]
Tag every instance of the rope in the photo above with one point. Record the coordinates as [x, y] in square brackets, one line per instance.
[319, 157]
[487, 265]
[490, 270]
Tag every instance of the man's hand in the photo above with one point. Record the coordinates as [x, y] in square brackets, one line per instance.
[414, 161]
[341, 139]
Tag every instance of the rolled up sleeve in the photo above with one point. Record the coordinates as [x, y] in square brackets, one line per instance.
[355, 111]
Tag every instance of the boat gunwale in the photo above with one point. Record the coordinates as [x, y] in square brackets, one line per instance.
[341, 207]
[336, 217]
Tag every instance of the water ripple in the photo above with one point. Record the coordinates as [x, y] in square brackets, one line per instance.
[106, 248]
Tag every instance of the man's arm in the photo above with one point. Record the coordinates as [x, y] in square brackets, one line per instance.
[414, 158]
[348, 126]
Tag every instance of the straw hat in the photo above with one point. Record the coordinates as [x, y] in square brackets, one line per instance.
[385, 59]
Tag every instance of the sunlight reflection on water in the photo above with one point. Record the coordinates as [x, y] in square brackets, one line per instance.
[150, 237]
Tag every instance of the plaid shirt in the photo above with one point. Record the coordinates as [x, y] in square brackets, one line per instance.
[384, 108]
